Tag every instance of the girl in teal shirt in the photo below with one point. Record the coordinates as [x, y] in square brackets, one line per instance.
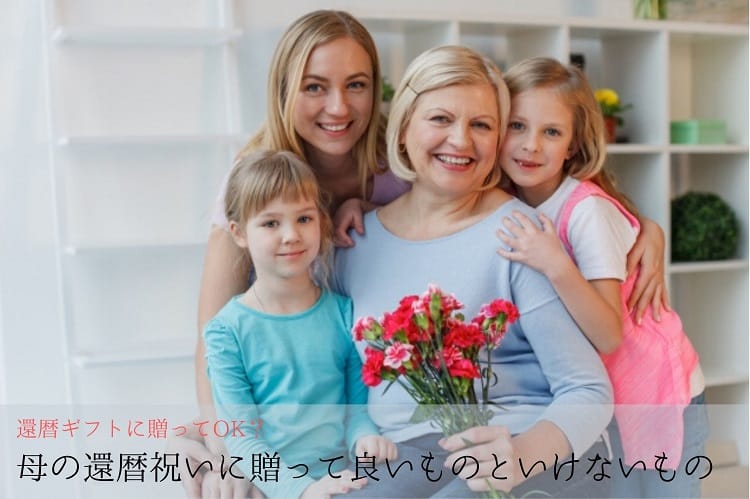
[281, 353]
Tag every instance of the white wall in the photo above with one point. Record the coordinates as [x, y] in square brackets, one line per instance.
[32, 366]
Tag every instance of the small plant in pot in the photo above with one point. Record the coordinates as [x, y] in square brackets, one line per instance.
[612, 109]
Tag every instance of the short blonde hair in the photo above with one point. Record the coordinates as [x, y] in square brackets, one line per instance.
[437, 68]
[284, 79]
[259, 178]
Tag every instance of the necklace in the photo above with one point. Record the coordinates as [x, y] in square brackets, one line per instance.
[255, 293]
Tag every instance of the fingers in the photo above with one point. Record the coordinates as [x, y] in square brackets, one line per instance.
[665, 300]
[392, 452]
[473, 436]
[512, 243]
[335, 486]
[242, 489]
[385, 450]
[546, 222]
[642, 302]
[634, 258]
[519, 224]
[342, 240]
[191, 485]
[641, 283]
[358, 224]
[192, 449]
[483, 456]
[211, 486]
[380, 447]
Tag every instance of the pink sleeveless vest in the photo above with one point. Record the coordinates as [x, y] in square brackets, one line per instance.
[650, 371]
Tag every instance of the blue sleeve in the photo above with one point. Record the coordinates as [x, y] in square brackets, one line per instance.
[359, 423]
[233, 398]
[582, 394]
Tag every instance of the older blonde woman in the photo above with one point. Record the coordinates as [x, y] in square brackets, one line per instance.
[447, 122]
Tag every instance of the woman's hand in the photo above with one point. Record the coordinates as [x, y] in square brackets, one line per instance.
[538, 248]
[375, 445]
[207, 483]
[494, 452]
[647, 258]
[214, 486]
[329, 486]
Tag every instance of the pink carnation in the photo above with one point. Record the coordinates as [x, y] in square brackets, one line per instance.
[397, 354]
[363, 324]
[450, 355]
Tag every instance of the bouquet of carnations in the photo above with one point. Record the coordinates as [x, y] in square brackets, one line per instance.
[426, 346]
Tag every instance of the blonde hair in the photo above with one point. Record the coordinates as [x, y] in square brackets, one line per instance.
[434, 69]
[588, 145]
[284, 79]
[264, 176]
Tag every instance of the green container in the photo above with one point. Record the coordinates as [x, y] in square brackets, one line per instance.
[698, 132]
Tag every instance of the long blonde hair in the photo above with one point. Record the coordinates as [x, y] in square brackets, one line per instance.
[284, 79]
[437, 68]
[261, 177]
[588, 145]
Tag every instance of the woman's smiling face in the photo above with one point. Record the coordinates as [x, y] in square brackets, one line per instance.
[335, 100]
[452, 137]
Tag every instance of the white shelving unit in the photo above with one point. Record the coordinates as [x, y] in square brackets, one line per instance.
[144, 119]
[668, 71]
[149, 106]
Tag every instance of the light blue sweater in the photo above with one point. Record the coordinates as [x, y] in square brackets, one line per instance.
[295, 373]
[546, 368]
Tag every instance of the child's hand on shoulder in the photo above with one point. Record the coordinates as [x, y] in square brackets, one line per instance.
[540, 249]
[329, 486]
[375, 445]
[348, 216]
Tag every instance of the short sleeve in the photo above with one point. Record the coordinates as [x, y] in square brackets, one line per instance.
[601, 237]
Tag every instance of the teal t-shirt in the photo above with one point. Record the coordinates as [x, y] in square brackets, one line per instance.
[300, 376]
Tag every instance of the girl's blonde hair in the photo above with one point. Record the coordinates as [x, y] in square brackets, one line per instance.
[284, 79]
[434, 69]
[264, 176]
[588, 145]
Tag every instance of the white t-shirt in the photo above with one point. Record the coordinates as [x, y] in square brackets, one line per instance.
[599, 233]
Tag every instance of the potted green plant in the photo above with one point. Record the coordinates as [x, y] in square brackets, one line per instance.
[612, 108]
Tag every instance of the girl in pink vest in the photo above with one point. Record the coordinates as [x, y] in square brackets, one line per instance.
[552, 157]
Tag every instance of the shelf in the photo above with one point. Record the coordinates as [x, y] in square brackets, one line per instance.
[150, 140]
[711, 266]
[708, 149]
[633, 149]
[173, 37]
[177, 349]
[83, 249]
[717, 377]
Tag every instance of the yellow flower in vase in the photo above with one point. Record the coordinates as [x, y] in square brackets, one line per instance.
[609, 103]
